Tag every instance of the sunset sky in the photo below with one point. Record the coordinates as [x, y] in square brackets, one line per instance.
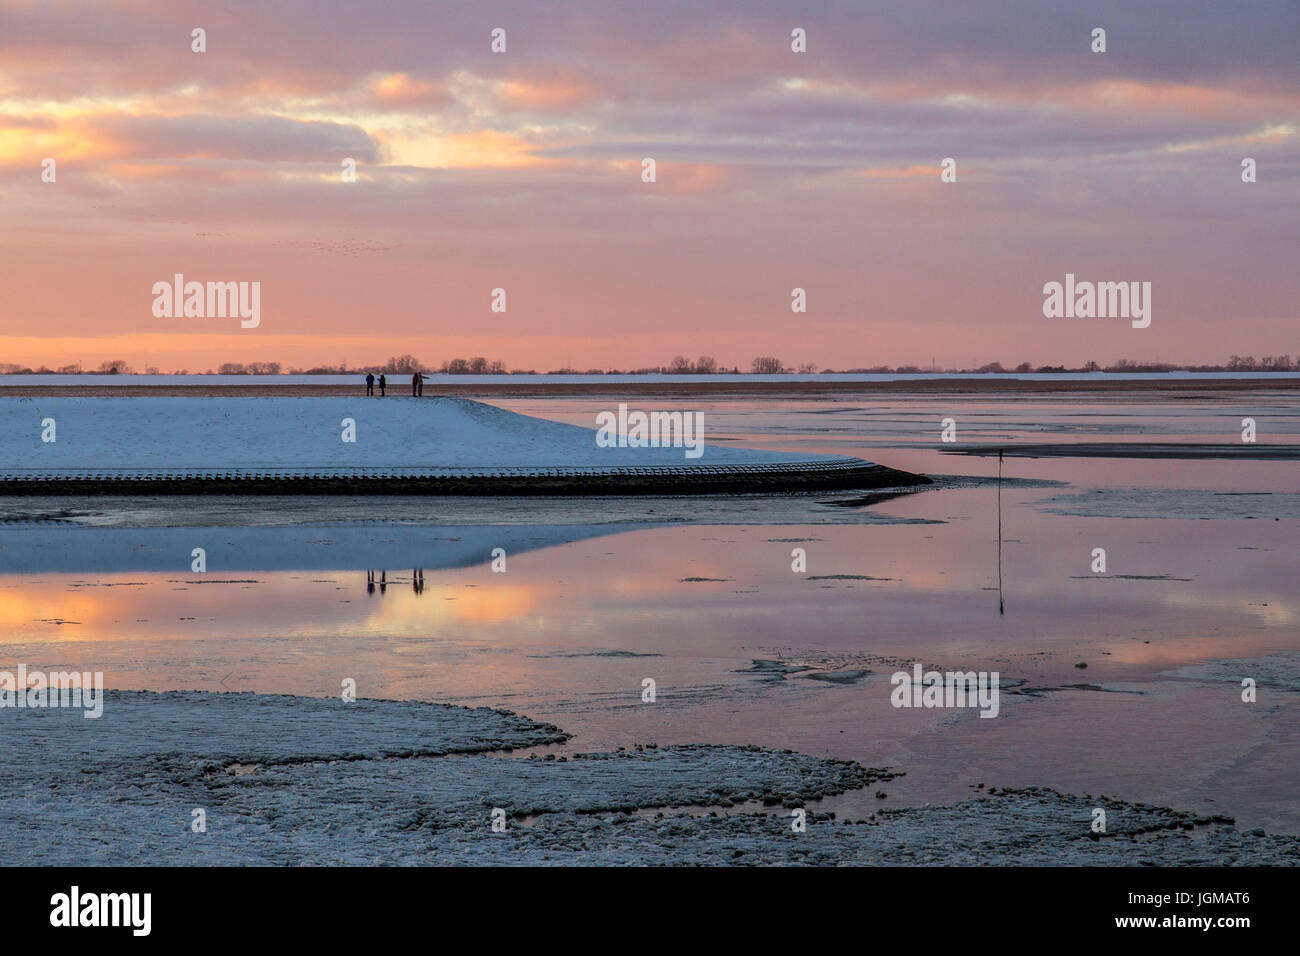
[522, 170]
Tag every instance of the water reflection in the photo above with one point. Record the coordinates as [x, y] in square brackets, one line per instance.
[586, 611]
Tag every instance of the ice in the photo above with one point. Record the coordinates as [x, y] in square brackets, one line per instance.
[303, 781]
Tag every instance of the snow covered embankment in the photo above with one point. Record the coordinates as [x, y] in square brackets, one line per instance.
[395, 434]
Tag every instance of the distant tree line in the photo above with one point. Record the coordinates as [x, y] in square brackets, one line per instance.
[475, 366]
[680, 365]
[252, 368]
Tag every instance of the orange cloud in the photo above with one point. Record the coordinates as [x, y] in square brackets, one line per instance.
[545, 94]
[399, 89]
[1271, 134]
[68, 138]
[480, 149]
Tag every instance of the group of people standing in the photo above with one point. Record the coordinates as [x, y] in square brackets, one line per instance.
[417, 581]
[417, 384]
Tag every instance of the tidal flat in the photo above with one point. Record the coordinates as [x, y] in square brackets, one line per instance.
[1121, 689]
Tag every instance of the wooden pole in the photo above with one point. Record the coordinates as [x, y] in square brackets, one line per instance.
[1001, 606]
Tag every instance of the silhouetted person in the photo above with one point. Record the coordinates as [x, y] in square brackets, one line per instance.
[383, 582]
[417, 580]
[383, 384]
[420, 385]
[370, 582]
[370, 383]
[415, 383]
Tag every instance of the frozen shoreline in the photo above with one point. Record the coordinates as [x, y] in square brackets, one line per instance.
[178, 436]
[1136, 449]
[305, 781]
[445, 446]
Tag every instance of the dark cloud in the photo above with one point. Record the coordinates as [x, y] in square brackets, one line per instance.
[666, 48]
[257, 138]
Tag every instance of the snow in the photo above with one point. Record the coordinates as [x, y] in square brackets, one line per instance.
[1277, 671]
[282, 434]
[293, 781]
[1178, 503]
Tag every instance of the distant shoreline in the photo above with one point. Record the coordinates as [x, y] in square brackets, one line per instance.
[768, 387]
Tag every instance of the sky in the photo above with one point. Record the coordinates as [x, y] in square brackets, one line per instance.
[522, 170]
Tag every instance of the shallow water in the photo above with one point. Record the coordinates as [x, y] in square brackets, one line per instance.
[599, 595]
